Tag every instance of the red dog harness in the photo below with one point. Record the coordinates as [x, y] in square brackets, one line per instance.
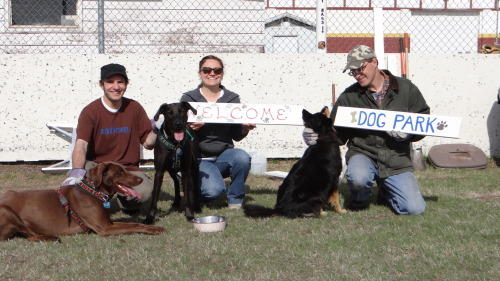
[92, 191]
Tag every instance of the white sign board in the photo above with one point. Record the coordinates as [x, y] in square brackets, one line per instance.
[384, 120]
[269, 114]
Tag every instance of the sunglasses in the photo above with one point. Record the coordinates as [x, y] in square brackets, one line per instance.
[357, 71]
[208, 70]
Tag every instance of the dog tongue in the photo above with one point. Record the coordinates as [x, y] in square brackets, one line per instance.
[179, 136]
[125, 190]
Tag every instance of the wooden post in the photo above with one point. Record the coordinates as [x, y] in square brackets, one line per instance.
[402, 57]
[334, 98]
[407, 50]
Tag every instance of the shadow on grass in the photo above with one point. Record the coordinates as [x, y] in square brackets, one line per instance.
[164, 196]
[137, 217]
[217, 203]
[140, 217]
[260, 191]
[377, 196]
[431, 198]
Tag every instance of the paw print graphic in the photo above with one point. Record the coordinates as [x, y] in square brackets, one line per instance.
[441, 125]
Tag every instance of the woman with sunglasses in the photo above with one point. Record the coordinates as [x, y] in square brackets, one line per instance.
[220, 158]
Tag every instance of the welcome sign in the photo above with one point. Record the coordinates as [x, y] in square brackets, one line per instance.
[412, 123]
[269, 114]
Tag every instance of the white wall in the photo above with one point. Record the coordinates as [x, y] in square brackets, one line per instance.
[40, 89]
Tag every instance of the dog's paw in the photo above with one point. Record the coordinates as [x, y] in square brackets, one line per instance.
[189, 216]
[155, 230]
[177, 207]
[341, 211]
[149, 220]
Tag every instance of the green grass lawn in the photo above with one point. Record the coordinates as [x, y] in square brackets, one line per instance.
[457, 238]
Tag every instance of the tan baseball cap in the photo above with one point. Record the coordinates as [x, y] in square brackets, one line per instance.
[358, 55]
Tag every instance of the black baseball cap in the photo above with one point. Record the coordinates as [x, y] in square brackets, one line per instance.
[112, 69]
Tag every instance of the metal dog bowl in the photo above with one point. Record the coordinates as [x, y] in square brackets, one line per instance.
[209, 223]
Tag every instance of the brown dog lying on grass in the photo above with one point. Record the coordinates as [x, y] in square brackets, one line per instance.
[41, 215]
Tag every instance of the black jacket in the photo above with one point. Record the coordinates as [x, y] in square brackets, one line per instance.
[215, 138]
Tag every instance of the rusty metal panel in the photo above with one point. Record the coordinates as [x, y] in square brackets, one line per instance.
[457, 156]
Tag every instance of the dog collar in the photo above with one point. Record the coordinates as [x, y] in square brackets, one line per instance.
[92, 190]
[164, 139]
[176, 163]
[166, 143]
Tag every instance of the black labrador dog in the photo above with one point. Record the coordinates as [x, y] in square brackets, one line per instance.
[313, 181]
[176, 151]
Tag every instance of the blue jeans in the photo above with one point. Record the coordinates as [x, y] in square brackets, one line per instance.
[401, 190]
[234, 163]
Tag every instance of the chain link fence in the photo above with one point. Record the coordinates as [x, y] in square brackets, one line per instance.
[244, 26]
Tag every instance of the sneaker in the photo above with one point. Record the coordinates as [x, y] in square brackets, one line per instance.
[234, 206]
[382, 196]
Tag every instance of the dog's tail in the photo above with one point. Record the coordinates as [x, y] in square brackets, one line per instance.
[256, 211]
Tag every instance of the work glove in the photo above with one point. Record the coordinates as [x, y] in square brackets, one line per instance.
[156, 124]
[398, 136]
[310, 137]
[75, 177]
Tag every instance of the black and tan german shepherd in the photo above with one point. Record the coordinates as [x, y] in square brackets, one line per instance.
[313, 181]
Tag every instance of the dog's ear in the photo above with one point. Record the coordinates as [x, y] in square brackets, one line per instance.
[329, 122]
[161, 110]
[306, 115]
[108, 174]
[95, 174]
[188, 106]
[325, 111]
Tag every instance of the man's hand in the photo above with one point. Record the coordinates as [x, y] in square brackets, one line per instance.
[398, 136]
[310, 137]
[75, 177]
[156, 124]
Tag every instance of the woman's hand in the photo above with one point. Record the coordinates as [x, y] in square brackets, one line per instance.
[196, 125]
[247, 128]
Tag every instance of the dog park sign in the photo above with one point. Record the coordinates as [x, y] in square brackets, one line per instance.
[270, 114]
[412, 123]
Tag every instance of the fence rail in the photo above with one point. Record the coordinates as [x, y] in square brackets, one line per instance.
[244, 26]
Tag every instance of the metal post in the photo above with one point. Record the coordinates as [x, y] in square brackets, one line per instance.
[378, 23]
[497, 43]
[321, 26]
[100, 25]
